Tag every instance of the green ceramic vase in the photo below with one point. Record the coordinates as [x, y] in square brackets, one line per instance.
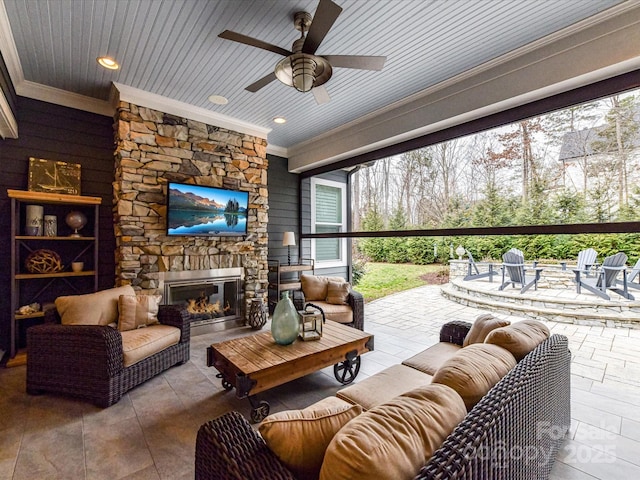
[285, 324]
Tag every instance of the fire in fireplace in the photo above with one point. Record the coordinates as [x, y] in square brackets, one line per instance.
[210, 296]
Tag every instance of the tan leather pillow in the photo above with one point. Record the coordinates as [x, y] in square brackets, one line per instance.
[299, 438]
[394, 440]
[482, 326]
[100, 308]
[473, 370]
[520, 337]
[337, 292]
[137, 311]
[313, 287]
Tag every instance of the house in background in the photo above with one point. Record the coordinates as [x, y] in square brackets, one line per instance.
[451, 68]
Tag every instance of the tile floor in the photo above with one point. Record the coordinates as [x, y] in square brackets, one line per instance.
[150, 433]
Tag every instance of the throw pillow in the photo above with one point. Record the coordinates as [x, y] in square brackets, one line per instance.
[299, 438]
[520, 337]
[483, 325]
[337, 292]
[313, 287]
[137, 311]
[100, 308]
[473, 370]
[394, 440]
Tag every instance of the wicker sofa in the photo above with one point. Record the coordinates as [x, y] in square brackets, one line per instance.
[86, 361]
[514, 431]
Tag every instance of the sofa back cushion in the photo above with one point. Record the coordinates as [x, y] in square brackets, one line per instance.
[519, 338]
[482, 326]
[137, 311]
[100, 308]
[299, 438]
[473, 370]
[393, 440]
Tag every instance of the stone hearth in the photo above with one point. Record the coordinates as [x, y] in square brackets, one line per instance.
[153, 148]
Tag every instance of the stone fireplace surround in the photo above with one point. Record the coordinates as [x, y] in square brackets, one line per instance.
[153, 148]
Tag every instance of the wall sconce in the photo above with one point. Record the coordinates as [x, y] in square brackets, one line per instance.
[288, 239]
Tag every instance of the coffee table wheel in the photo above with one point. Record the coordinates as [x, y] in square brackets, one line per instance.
[347, 371]
[260, 412]
[227, 385]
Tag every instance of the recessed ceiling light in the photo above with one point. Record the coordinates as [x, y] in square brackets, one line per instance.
[108, 62]
[280, 120]
[218, 99]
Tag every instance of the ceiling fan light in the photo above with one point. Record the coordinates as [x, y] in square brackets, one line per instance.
[303, 68]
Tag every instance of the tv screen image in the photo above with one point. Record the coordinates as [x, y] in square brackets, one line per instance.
[206, 211]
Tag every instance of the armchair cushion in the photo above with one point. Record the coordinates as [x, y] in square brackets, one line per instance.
[313, 287]
[141, 343]
[338, 292]
[100, 308]
[137, 311]
[299, 438]
[337, 313]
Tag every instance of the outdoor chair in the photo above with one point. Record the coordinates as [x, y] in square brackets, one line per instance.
[473, 267]
[587, 260]
[513, 267]
[633, 274]
[607, 278]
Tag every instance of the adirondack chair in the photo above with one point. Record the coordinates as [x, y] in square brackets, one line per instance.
[473, 267]
[587, 259]
[606, 278]
[513, 266]
[633, 274]
[534, 263]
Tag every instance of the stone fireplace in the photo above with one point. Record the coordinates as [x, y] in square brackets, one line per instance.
[153, 148]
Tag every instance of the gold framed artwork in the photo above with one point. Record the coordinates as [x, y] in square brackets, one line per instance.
[54, 177]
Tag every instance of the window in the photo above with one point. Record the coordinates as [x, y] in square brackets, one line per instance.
[328, 215]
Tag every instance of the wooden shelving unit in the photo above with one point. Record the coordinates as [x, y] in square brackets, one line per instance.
[42, 288]
[286, 277]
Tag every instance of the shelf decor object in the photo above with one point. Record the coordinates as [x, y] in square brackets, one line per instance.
[33, 220]
[76, 220]
[43, 261]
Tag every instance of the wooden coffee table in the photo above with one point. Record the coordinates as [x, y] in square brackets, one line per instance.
[256, 363]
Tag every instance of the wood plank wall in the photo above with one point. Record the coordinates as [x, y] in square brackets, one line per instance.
[57, 133]
[7, 87]
[283, 207]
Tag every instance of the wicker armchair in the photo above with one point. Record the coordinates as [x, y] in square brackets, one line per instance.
[86, 361]
[355, 301]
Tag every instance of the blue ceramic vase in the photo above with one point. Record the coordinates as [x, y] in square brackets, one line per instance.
[285, 324]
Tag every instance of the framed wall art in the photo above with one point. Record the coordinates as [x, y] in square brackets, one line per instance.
[54, 177]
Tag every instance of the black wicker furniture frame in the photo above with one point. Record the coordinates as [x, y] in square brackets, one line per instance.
[86, 361]
[514, 432]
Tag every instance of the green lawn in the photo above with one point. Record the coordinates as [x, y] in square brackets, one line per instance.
[382, 279]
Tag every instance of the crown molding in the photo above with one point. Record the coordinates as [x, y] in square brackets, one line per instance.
[64, 98]
[129, 94]
[8, 124]
[278, 151]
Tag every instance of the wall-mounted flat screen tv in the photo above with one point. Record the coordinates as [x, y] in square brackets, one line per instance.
[206, 211]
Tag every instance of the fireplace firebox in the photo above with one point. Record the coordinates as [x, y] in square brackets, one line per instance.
[213, 297]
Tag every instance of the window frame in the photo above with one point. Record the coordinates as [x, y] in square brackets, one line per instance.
[342, 261]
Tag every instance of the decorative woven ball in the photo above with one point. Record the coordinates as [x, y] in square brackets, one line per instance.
[43, 261]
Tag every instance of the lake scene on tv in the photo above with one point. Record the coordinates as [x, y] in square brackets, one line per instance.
[206, 211]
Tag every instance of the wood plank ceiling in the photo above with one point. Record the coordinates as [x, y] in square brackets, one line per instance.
[171, 48]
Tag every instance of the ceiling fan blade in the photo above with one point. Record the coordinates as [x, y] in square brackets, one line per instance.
[361, 62]
[263, 82]
[254, 42]
[321, 95]
[326, 15]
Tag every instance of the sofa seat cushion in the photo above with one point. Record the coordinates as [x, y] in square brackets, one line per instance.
[394, 440]
[100, 308]
[383, 386]
[474, 370]
[299, 438]
[337, 313]
[519, 338]
[141, 343]
[430, 360]
[482, 327]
